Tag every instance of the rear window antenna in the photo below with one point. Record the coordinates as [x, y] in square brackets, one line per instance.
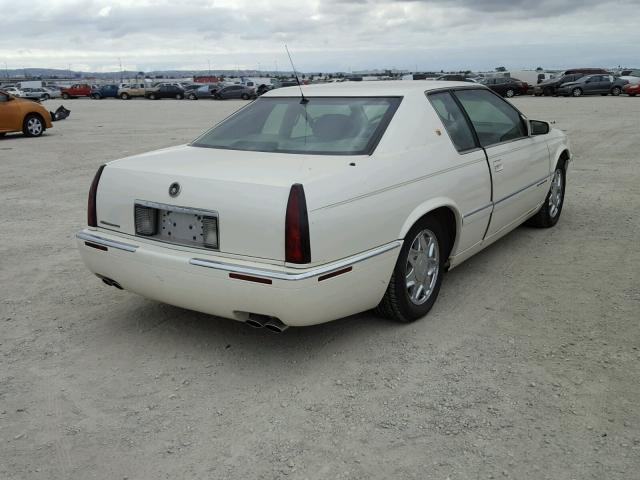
[303, 99]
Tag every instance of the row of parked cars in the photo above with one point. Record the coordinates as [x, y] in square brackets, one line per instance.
[579, 82]
[177, 90]
[126, 91]
[574, 82]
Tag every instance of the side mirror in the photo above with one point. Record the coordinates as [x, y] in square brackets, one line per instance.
[538, 127]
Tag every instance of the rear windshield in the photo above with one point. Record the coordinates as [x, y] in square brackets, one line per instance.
[321, 126]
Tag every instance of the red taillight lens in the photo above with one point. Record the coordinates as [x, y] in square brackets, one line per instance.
[296, 230]
[92, 217]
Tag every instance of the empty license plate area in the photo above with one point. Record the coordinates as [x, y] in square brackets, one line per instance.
[178, 225]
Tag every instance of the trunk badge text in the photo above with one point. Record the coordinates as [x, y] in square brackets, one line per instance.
[174, 189]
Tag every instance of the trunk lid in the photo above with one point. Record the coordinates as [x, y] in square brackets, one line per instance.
[248, 190]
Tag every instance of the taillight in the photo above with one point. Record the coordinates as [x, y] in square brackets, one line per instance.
[92, 217]
[296, 230]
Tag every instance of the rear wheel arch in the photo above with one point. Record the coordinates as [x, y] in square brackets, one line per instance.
[563, 158]
[447, 215]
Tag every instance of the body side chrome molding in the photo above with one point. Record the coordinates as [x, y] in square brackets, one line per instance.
[539, 182]
[477, 210]
[313, 272]
[127, 247]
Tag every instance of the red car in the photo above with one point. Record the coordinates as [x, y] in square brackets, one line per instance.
[77, 90]
[632, 90]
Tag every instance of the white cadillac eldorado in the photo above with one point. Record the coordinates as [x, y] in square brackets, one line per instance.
[298, 210]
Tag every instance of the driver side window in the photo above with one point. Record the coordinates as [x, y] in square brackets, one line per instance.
[494, 120]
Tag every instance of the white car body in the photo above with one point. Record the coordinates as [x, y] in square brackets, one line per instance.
[360, 208]
[631, 79]
[13, 91]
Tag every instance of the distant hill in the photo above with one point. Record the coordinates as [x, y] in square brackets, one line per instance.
[45, 73]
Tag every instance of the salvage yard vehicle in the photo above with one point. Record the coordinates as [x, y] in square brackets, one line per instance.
[590, 85]
[165, 91]
[299, 210]
[131, 90]
[507, 87]
[52, 92]
[235, 91]
[632, 89]
[204, 91]
[17, 114]
[104, 91]
[33, 93]
[77, 90]
[550, 87]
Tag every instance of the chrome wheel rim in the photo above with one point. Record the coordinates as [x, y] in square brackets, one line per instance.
[577, 92]
[423, 266]
[555, 195]
[34, 126]
[510, 93]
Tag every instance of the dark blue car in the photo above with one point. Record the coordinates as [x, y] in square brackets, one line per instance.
[104, 91]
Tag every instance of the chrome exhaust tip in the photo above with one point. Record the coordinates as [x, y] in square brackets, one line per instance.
[275, 325]
[110, 282]
[256, 321]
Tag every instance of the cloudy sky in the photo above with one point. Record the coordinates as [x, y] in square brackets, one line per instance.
[329, 35]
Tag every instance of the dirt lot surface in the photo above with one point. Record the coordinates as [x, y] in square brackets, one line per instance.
[528, 367]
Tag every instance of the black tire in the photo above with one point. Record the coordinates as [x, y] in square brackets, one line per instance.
[244, 96]
[46, 96]
[510, 93]
[547, 92]
[396, 304]
[95, 96]
[66, 96]
[179, 96]
[152, 96]
[33, 126]
[576, 92]
[2, 134]
[193, 96]
[615, 91]
[124, 96]
[547, 217]
[632, 94]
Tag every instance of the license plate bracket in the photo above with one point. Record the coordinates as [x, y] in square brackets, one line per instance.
[185, 226]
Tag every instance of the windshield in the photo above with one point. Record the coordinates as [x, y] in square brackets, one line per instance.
[321, 126]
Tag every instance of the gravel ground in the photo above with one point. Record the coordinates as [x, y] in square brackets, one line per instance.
[528, 367]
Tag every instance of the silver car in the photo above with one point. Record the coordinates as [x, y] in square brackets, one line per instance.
[205, 91]
[34, 93]
[51, 92]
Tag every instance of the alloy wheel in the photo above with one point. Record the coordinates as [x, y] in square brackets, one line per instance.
[34, 126]
[555, 195]
[423, 265]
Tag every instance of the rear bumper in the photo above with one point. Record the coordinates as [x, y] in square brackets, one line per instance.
[214, 285]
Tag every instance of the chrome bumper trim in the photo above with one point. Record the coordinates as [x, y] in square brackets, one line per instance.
[313, 272]
[89, 237]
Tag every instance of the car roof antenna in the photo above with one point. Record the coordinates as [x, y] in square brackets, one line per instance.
[303, 100]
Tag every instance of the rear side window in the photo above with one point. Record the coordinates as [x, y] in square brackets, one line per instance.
[453, 120]
[494, 120]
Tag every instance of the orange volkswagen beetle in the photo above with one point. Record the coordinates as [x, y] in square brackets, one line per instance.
[17, 114]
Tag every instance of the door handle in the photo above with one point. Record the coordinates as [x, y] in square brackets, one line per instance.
[497, 165]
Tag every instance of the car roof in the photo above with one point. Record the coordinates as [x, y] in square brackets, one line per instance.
[365, 89]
